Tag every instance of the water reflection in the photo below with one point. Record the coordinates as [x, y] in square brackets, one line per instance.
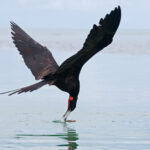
[68, 134]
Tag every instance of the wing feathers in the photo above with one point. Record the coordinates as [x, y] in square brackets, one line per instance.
[37, 57]
[99, 37]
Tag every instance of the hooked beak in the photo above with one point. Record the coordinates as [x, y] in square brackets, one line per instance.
[66, 115]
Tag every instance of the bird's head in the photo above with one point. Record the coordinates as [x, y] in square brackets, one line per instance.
[72, 101]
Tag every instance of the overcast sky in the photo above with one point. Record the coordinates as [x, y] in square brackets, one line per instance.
[80, 14]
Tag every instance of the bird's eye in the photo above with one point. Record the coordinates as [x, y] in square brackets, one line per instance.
[71, 98]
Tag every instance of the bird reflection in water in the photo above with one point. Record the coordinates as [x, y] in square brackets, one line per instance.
[68, 134]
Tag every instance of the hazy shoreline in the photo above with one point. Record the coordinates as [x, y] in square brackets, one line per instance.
[133, 42]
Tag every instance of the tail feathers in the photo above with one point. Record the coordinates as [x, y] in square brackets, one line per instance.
[26, 89]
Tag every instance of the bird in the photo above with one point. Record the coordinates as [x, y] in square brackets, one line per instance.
[44, 67]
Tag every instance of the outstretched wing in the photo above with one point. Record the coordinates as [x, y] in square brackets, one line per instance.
[37, 57]
[99, 37]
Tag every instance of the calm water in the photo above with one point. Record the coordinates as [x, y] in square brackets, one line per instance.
[113, 110]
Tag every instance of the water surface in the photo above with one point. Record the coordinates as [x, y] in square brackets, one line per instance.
[112, 111]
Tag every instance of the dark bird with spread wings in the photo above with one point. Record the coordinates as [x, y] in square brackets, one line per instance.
[66, 76]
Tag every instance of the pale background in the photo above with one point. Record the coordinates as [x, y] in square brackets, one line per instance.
[74, 14]
[113, 109]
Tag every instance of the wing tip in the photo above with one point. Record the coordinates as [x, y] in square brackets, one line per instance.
[116, 10]
[119, 9]
[111, 21]
[12, 24]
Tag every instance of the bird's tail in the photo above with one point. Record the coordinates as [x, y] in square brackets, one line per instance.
[27, 88]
